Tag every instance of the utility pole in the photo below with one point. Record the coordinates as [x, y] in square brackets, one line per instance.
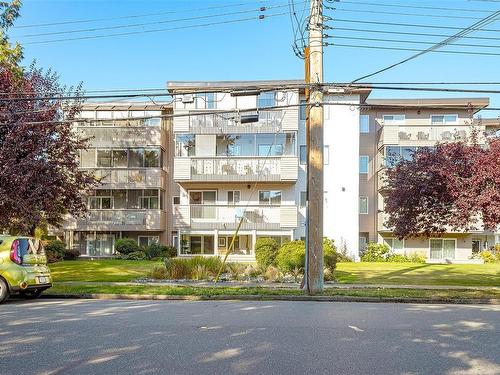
[314, 134]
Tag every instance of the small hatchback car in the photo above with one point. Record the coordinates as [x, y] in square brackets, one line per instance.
[23, 267]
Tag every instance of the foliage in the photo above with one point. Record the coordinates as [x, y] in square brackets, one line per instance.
[153, 250]
[178, 268]
[396, 258]
[71, 254]
[10, 56]
[266, 250]
[330, 255]
[450, 186]
[236, 270]
[375, 252]
[54, 250]
[135, 255]
[159, 272]
[200, 272]
[290, 256]
[126, 246]
[488, 256]
[416, 257]
[168, 251]
[272, 274]
[199, 268]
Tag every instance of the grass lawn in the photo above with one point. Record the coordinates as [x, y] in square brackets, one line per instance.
[356, 273]
[235, 291]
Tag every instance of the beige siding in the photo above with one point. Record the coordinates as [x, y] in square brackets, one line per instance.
[182, 169]
[288, 217]
[289, 168]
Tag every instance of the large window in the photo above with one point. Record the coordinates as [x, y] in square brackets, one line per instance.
[394, 119]
[254, 145]
[203, 204]
[444, 119]
[272, 197]
[120, 158]
[147, 199]
[266, 99]
[185, 145]
[144, 241]
[394, 154]
[442, 248]
[197, 244]
[363, 205]
[396, 245]
[364, 124]
[363, 164]
[233, 197]
[104, 158]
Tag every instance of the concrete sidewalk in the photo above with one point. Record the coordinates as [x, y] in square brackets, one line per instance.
[211, 284]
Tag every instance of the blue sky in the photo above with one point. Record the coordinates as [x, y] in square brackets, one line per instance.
[250, 50]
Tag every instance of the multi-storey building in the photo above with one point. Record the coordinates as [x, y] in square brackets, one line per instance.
[394, 129]
[128, 152]
[234, 155]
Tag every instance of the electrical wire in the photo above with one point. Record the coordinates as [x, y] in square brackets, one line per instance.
[484, 22]
[259, 17]
[401, 13]
[414, 6]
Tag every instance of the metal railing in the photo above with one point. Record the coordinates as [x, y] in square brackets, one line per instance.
[257, 166]
[266, 118]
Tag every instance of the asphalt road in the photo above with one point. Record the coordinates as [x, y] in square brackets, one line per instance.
[163, 337]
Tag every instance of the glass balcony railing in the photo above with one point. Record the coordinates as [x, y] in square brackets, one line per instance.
[236, 167]
[148, 177]
[141, 136]
[114, 219]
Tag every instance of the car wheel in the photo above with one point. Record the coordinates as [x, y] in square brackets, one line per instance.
[31, 294]
[4, 290]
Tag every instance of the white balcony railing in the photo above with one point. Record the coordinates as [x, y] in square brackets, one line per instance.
[228, 217]
[125, 136]
[130, 178]
[120, 220]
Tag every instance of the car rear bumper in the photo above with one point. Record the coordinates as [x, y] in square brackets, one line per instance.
[17, 289]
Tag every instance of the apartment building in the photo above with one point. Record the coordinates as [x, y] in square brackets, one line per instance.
[389, 132]
[129, 153]
[236, 161]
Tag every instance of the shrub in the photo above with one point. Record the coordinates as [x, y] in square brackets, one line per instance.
[70, 254]
[200, 272]
[397, 258]
[375, 252]
[196, 267]
[126, 246]
[236, 270]
[488, 256]
[178, 269]
[136, 255]
[290, 256]
[330, 255]
[55, 250]
[153, 250]
[416, 258]
[212, 264]
[159, 273]
[272, 274]
[168, 251]
[266, 250]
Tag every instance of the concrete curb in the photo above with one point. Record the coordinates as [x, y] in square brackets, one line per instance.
[154, 297]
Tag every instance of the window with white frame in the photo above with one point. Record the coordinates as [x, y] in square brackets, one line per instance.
[363, 164]
[363, 205]
[303, 199]
[271, 197]
[266, 99]
[394, 119]
[364, 124]
[149, 199]
[395, 244]
[444, 119]
[233, 197]
[144, 241]
[176, 200]
[303, 154]
[442, 248]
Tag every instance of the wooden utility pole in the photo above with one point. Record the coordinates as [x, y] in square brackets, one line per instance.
[314, 134]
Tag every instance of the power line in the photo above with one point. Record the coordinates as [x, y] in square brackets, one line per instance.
[410, 50]
[260, 9]
[484, 22]
[409, 33]
[401, 13]
[415, 7]
[134, 16]
[259, 17]
[406, 41]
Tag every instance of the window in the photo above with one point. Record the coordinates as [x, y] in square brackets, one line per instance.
[101, 201]
[442, 248]
[303, 199]
[87, 158]
[144, 241]
[136, 157]
[202, 197]
[149, 199]
[303, 109]
[233, 197]
[395, 244]
[210, 100]
[120, 159]
[203, 204]
[444, 119]
[362, 242]
[104, 158]
[303, 154]
[272, 197]
[176, 200]
[326, 155]
[364, 124]
[363, 164]
[152, 158]
[197, 244]
[185, 145]
[394, 119]
[363, 205]
[266, 99]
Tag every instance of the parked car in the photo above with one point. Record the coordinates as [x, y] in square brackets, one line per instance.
[23, 267]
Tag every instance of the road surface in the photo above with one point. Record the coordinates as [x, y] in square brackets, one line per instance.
[182, 337]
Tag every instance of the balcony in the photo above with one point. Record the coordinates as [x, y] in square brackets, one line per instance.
[130, 178]
[229, 169]
[124, 136]
[269, 121]
[119, 220]
[415, 135]
[209, 217]
[381, 219]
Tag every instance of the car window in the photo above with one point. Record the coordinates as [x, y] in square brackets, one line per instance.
[36, 247]
[23, 246]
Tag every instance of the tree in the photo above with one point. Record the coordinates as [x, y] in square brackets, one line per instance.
[39, 177]
[453, 186]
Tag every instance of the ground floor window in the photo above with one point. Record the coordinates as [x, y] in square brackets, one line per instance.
[281, 240]
[396, 245]
[242, 244]
[442, 248]
[147, 240]
[99, 244]
[197, 244]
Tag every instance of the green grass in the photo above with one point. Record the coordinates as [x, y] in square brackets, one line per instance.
[100, 270]
[241, 291]
[356, 273]
[419, 274]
